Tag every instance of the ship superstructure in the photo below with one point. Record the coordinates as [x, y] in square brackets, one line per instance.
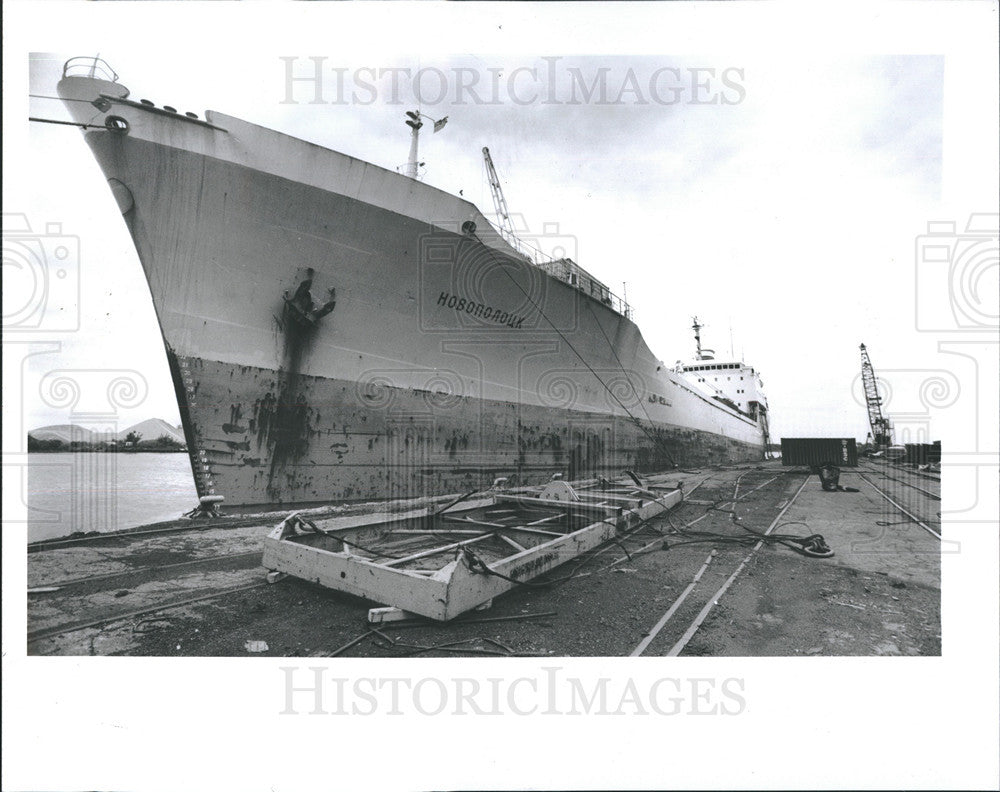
[729, 380]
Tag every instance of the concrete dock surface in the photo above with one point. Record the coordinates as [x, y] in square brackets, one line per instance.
[693, 581]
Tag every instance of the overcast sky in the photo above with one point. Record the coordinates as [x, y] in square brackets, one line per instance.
[777, 197]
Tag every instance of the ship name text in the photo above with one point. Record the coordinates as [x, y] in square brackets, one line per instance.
[480, 310]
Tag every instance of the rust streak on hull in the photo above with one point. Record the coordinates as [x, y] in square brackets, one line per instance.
[352, 444]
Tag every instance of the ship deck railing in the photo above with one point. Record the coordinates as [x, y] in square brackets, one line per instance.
[564, 270]
[568, 272]
[88, 66]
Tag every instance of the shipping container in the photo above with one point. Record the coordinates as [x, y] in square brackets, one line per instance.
[815, 451]
[923, 453]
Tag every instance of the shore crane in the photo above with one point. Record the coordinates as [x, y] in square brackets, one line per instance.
[881, 431]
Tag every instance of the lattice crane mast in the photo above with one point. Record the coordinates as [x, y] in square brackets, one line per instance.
[881, 432]
[499, 202]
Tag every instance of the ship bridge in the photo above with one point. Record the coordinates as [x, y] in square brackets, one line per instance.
[730, 381]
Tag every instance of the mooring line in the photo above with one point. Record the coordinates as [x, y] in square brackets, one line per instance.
[678, 647]
[688, 525]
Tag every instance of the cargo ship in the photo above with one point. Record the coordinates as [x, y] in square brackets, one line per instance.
[340, 331]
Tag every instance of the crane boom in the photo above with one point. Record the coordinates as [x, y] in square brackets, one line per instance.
[499, 202]
[881, 431]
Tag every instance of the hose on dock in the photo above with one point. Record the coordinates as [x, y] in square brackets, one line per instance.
[812, 546]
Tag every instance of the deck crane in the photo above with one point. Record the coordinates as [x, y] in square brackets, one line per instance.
[504, 223]
[881, 431]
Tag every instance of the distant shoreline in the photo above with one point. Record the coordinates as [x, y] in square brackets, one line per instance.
[107, 450]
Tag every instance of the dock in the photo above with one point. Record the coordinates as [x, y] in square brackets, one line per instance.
[734, 569]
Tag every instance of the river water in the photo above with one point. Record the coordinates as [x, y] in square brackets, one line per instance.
[105, 492]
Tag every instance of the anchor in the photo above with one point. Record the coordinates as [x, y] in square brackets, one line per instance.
[303, 308]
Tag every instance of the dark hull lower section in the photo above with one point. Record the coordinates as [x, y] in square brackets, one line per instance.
[261, 437]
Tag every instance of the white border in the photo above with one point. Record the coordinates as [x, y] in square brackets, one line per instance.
[71, 723]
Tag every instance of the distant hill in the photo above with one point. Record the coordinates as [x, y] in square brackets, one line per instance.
[66, 433]
[149, 430]
[152, 429]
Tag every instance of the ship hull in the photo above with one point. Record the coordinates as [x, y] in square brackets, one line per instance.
[336, 331]
[341, 440]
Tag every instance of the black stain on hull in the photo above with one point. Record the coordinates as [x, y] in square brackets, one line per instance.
[282, 423]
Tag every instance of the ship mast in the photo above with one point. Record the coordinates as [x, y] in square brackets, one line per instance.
[701, 354]
[414, 123]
